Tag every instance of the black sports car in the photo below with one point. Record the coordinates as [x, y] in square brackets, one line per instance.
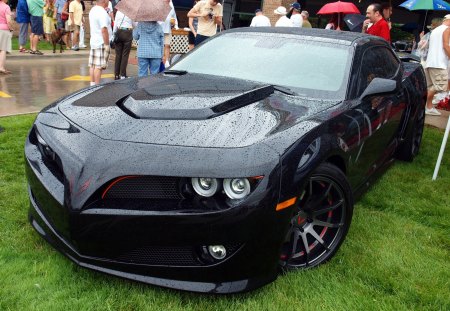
[242, 160]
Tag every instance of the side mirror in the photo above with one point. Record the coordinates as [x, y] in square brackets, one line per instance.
[379, 86]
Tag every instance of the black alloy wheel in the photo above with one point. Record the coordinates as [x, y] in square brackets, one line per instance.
[409, 149]
[321, 221]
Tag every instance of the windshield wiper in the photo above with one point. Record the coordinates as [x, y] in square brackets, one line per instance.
[284, 89]
[176, 72]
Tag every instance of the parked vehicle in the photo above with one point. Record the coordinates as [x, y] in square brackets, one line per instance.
[244, 159]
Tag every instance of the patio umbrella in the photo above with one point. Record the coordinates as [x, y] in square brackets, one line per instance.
[354, 22]
[339, 7]
[145, 10]
[436, 5]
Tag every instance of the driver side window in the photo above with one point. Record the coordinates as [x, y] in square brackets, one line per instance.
[377, 62]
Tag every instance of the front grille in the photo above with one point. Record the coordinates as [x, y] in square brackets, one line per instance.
[144, 187]
[162, 255]
[172, 255]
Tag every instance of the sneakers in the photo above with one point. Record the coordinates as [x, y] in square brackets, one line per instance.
[75, 48]
[432, 112]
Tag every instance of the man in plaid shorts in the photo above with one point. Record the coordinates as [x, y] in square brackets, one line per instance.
[100, 25]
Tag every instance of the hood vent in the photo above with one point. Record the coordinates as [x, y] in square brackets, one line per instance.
[147, 109]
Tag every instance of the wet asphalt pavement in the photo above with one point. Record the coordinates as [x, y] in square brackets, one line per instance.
[37, 81]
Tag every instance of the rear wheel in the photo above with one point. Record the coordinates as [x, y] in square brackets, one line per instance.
[321, 221]
[409, 149]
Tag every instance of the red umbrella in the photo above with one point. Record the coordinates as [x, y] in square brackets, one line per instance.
[339, 7]
[145, 10]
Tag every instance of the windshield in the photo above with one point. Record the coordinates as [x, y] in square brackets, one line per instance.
[307, 67]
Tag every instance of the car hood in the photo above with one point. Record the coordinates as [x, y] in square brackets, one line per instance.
[189, 110]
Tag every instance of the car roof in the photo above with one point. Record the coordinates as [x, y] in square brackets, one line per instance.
[324, 35]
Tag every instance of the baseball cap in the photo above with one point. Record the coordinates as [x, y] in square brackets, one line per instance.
[296, 6]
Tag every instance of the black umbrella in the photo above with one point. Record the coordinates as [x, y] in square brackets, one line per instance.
[354, 22]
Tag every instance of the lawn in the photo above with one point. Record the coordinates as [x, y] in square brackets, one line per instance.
[43, 45]
[395, 257]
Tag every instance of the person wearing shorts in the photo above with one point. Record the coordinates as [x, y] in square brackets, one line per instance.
[36, 10]
[101, 32]
[75, 21]
[437, 62]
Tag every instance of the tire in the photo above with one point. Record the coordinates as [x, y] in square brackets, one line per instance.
[321, 221]
[409, 149]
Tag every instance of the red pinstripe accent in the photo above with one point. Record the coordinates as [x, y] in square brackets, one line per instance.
[115, 182]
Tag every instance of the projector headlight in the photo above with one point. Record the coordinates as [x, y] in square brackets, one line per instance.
[205, 186]
[236, 188]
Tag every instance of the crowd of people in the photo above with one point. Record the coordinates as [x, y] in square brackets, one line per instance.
[65, 18]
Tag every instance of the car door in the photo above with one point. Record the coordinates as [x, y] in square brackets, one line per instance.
[377, 115]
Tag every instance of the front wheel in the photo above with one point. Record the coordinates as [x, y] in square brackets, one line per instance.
[321, 221]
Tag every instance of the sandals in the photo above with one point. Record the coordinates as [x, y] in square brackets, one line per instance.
[5, 72]
[37, 52]
[24, 50]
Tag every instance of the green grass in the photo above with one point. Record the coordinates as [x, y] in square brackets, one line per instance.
[395, 257]
[43, 45]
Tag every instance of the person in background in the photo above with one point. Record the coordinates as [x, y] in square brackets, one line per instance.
[5, 35]
[437, 62]
[23, 18]
[60, 22]
[306, 23]
[296, 17]
[82, 45]
[333, 23]
[109, 9]
[379, 27]
[150, 48]
[209, 13]
[36, 10]
[75, 21]
[170, 22]
[283, 21]
[101, 32]
[123, 29]
[422, 46]
[259, 20]
[68, 33]
[387, 13]
[193, 24]
[48, 21]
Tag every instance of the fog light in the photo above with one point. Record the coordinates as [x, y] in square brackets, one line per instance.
[204, 186]
[217, 251]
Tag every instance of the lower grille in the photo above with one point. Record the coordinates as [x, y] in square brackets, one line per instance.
[170, 255]
[162, 255]
[143, 187]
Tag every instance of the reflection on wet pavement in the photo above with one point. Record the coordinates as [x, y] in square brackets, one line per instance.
[36, 84]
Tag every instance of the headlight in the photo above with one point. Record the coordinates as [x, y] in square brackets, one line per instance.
[205, 186]
[236, 188]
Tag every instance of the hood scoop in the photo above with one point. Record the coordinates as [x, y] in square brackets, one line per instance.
[193, 106]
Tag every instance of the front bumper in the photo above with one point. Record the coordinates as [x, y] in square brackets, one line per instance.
[164, 249]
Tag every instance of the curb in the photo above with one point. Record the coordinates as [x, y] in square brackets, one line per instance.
[49, 54]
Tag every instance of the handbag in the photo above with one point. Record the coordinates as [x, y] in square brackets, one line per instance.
[64, 16]
[113, 41]
[115, 37]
